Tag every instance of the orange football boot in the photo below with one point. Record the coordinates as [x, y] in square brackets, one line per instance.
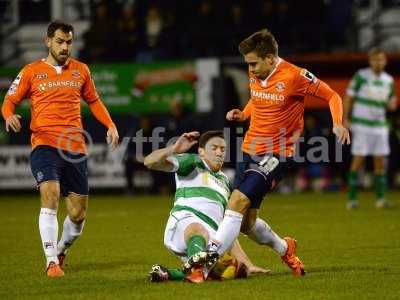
[54, 270]
[196, 275]
[291, 259]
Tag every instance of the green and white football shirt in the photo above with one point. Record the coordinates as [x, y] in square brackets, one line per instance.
[371, 94]
[200, 190]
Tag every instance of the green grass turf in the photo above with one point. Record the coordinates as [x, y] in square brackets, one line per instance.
[348, 254]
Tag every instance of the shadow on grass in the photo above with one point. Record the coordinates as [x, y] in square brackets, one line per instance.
[334, 269]
[345, 269]
[104, 266]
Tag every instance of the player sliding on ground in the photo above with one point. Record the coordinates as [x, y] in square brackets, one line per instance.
[232, 265]
[202, 192]
[55, 86]
[275, 109]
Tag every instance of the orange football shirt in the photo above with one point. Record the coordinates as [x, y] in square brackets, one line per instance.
[55, 94]
[276, 108]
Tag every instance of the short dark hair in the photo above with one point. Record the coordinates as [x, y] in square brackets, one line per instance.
[261, 42]
[206, 136]
[57, 24]
[375, 50]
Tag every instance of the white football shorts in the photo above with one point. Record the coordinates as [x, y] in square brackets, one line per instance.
[365, 143]
[177, 223]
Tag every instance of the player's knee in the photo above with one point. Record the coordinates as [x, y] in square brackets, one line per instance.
[356, 163]
[379, 165]
[247, 225]
[77, 215]
[239, 202]
[50, 194]
[195, 229]
[249, 220]
[77, 205]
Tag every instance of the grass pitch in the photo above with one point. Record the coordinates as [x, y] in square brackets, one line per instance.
[348, 254]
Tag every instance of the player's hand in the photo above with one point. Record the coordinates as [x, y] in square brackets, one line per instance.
[13, 123]
[185, 142]
[342, 133]
[235, 115]
[253, 269]
[112, 137]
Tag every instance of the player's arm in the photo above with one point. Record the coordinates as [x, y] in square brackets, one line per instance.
[162, 159]
[392, 104]
[324, 92]
[101, 113]
[348, 100]
[238, 252]
[18, 90]
[238, 115]
[347, 107]
[307, 83]
[99, 110]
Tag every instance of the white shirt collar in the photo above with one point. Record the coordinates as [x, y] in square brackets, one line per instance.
[57, 68]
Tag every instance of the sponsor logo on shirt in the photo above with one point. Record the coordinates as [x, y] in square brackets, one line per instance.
[207, 177]
[39, 176]
[41, 76]
[76, 73]
[277, 98]
[280, 87]
[59, 84]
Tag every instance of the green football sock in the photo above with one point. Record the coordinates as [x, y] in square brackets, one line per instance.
[195, 244]
[380, 186]
[176, 274]
[352, 182]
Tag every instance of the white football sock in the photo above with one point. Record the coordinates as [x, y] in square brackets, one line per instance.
[227, 232]
[262, 234]
[71, 232]
[48, 228]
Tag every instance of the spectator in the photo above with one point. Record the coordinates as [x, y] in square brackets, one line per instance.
[138, 178]
[308, 32]
[204, 28]
[99, 38]
[153, 41]
[338, 28]
[235, 28]
[137, 148]
[127, 30]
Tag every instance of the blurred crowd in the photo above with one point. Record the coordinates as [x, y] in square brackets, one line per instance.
[148, 30]
[145, 31]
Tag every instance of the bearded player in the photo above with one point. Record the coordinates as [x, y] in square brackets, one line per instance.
[55, 86]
